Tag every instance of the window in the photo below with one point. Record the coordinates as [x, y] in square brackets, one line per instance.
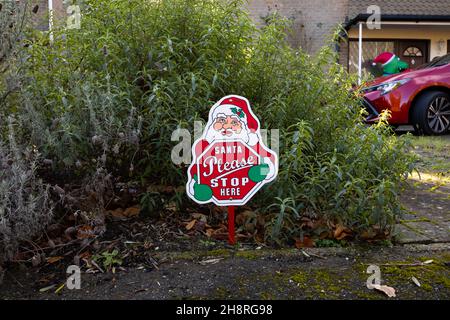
[412, 52]
[370, 49]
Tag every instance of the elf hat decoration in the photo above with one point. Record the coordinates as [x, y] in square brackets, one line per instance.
[239, 109]
[384, 58]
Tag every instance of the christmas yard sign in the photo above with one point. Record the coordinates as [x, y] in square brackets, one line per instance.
[230, 161]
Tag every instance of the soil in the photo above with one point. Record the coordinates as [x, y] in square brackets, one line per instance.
[317, 273]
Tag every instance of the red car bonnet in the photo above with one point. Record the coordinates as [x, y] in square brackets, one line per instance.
[379, 80]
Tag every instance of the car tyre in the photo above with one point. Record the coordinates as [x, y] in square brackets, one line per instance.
[431, 113]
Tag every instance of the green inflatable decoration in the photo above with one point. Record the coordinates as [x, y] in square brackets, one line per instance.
[391, 63]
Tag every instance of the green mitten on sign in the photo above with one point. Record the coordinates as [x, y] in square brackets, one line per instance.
[258, 173]
[202, 192]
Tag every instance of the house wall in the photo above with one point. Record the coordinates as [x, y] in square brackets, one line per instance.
[41, 18]
[312, 20]
[435, 34]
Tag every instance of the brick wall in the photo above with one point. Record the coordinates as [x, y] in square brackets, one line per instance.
[343, 53]
[40, 19]
[313, 20]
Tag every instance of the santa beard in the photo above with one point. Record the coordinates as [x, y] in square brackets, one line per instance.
[212, 135]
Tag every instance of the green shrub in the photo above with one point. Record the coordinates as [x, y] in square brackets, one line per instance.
[111, 93]
[25, 204]
[12, 16]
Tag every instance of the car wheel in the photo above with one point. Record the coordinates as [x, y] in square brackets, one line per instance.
[431, 113]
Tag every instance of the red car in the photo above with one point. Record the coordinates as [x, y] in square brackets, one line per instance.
[419, 97]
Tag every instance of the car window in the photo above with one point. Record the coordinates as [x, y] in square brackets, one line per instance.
[436, 62]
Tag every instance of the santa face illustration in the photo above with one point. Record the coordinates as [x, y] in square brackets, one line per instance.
[231, 119]
[227, 127]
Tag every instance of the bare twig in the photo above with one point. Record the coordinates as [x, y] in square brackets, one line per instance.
[418, 264]
[97, 266]
[59, 246]
[312, 254]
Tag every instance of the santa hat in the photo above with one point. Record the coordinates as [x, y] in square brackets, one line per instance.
[384, 58]
[240, 109]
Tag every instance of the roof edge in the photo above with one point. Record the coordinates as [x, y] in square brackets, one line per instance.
[398, 17]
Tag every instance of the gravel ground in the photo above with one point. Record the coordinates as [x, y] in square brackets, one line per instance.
[321, 273]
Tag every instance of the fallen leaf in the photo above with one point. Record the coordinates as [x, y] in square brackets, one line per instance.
[243, 217]
[220, 234]
[260, 221]
[147, 245]
[132, 212]
[200, 226]
[200, 217]
[59, 190]
[116, 214]
[307, 222]
[85, 255]
[341, 232]
[51, 243]
[218, 211]
[85, 232]
[36, 260]
[209, 232]
[324, 234]
[242, 236]
[306, 242]
[306, 254]
[414, 279]
[70, 232]
[249, 227]
[368, 234]
[343, 235]
[60, 288]
[210, 261]
[53, 259]
[47, 288]
[389, 291]
[191, 224]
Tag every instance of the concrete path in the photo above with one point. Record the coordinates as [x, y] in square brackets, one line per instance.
[428, 219]
[427, 196]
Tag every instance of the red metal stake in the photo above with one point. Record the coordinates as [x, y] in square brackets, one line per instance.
[231, 239]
